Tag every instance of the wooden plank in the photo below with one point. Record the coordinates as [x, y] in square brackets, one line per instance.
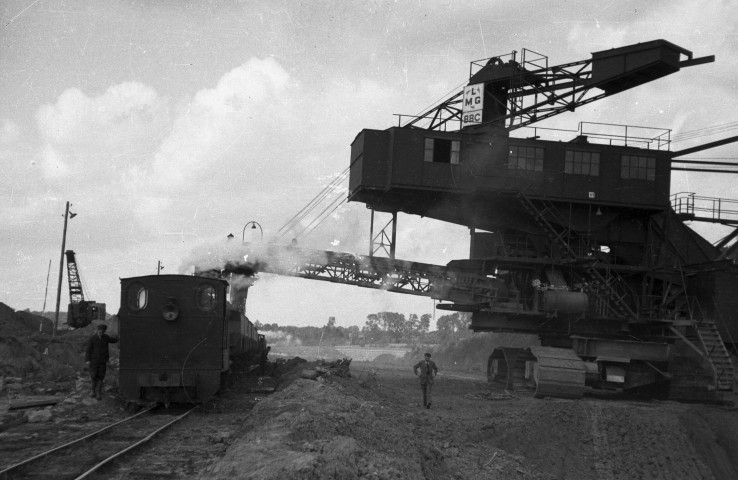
[36, 402]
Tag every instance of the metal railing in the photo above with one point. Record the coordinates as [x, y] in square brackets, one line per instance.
[706, 209]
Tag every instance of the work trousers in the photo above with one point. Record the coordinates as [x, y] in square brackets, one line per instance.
[427, 388]
[97, 371]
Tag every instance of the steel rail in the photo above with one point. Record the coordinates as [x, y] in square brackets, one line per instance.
[68, 444]
[132, 446]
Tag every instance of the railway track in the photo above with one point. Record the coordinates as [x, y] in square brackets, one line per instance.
[84, 457]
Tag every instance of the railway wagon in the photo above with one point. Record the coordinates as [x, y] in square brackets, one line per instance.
[177, 336]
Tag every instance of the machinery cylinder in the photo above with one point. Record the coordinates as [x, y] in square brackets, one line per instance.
[565, 302]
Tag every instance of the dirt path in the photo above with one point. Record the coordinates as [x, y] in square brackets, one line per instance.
[371, 426]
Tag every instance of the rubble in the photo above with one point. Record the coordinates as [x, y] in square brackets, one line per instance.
[339, 368]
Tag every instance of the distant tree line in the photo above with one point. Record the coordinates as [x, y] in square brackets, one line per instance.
[381, 328]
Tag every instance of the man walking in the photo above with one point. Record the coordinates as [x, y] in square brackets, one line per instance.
[96, 358]
[426, 370]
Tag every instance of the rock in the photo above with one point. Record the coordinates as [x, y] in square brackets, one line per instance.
[38, 416]
[220, 437]
[309, 374]
[11, 419]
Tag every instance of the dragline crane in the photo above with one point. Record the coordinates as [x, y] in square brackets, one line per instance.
[81, 312]
[579, 241]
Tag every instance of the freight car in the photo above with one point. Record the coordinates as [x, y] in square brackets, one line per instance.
[177, 336]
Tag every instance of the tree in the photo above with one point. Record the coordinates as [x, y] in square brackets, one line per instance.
[372, 330]
[425, 322]
[453, 326]
[394, 324]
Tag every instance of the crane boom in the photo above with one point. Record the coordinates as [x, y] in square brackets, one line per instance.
[76, 295]
[389, 274]
[81, 312]
[520, 90]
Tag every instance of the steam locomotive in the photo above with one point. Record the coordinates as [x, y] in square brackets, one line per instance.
[177, 336]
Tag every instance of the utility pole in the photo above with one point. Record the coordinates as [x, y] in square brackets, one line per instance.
[159, 267]
[46, 294]
[61, 270]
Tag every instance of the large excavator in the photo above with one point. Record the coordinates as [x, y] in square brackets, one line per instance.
[81, 312]
[576, 239]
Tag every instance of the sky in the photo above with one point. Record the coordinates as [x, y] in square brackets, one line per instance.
[170, 124]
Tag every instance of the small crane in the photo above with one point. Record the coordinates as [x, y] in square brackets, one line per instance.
[81, 312]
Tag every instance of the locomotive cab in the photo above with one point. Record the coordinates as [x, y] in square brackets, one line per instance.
[176, 337]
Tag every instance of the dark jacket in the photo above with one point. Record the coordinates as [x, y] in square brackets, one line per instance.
[97, 348]
[427, 371]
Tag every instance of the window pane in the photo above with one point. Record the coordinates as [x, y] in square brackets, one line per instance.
[137, 296]
[428, 150]
[205, 297]
[455, 157]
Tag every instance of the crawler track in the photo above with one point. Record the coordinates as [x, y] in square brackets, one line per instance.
[83, 457]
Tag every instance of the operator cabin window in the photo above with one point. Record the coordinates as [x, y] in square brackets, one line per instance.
[441, 150]
[525, 158]
[640, 168]
[582, 163]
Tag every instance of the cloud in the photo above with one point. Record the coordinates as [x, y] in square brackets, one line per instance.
[9, 132]
[75, 116]
[52, 163]
[217, 119]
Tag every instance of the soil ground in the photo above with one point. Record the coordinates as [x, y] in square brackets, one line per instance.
[372, 426]
[323, 424]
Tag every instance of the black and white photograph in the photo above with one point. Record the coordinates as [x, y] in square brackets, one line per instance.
[368, 239]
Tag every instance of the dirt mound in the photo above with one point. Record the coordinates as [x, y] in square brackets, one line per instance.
[18, 324]
[29, 350]
[18, 358]
[370, 426]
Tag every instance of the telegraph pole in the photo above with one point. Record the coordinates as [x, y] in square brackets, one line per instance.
[61, 270]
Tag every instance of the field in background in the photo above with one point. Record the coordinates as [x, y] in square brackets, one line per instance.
[360, 354]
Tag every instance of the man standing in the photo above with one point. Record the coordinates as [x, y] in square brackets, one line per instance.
[264, 360]
[426, 370]
[96, 358]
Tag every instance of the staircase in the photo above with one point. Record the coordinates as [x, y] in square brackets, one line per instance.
[717, 353]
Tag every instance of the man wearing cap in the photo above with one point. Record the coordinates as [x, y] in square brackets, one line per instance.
[426, 370]
[96, 358]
